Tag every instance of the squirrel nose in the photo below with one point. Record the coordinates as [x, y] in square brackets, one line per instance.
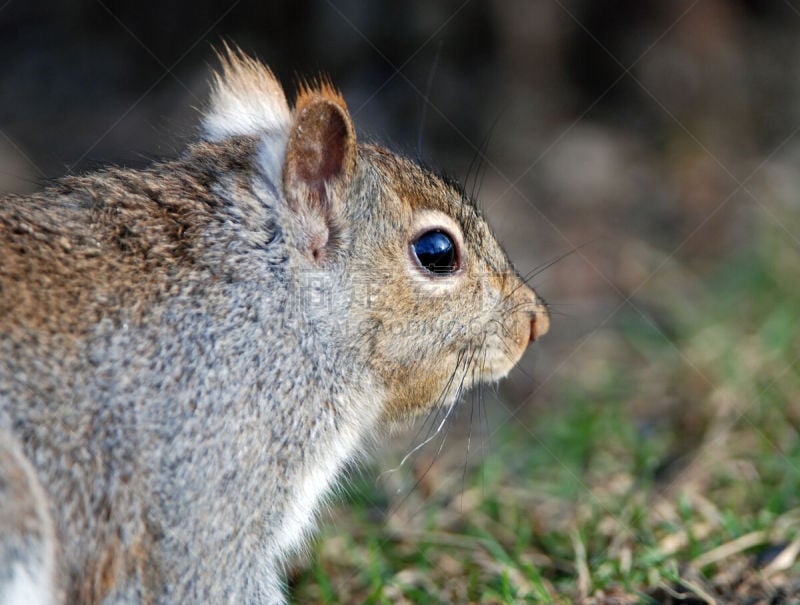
[540, 322]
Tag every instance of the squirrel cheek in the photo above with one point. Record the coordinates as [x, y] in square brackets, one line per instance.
[524, 332]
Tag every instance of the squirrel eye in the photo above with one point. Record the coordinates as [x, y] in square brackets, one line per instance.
[436, 252]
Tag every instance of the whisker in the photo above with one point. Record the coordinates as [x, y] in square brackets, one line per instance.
[484, 447]
[544, 267]
[478, 185]
[481, 157]
[450, 408]
[561, 314]
[428, 86]
[438, 408]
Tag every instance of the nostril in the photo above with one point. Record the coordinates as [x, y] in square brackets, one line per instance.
[540, 323]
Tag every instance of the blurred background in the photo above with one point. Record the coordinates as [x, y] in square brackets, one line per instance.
[649, 150]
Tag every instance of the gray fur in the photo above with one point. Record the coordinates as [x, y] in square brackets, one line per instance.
[180, 381]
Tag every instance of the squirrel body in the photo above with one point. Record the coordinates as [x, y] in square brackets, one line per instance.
[190, 353]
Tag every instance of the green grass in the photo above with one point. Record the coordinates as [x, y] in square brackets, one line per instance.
[667, 465]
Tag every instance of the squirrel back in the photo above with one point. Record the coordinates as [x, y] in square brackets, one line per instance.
[190, 353]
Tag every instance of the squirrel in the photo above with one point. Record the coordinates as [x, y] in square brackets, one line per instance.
[190, 353]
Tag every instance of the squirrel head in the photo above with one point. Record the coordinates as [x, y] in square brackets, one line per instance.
[433, 304]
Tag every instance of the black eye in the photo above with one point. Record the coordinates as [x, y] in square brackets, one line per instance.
[436, 252]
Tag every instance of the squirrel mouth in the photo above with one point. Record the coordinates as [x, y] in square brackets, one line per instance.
[496, 365]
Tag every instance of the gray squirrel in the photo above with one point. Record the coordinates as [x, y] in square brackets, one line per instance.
[190, 353]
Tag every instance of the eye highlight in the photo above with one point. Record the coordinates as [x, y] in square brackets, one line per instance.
[436, 252]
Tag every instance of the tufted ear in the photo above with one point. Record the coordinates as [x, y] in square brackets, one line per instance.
[246, 99]
[319, 163]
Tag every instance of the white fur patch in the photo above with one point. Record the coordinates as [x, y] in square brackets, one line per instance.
[27, 587]
[362, 414]
[246, 99]
[312, 487]
[271, 152]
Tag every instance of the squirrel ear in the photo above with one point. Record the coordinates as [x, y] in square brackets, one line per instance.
[320, 159]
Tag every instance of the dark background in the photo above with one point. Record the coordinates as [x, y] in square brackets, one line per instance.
[637, 136]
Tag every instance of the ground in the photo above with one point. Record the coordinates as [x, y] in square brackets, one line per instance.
[664, 467]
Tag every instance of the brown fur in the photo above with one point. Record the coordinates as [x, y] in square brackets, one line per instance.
[190, 353]
[58, 277]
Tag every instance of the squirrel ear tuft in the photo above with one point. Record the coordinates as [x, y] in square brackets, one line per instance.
[246, 98]
[320, 160]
